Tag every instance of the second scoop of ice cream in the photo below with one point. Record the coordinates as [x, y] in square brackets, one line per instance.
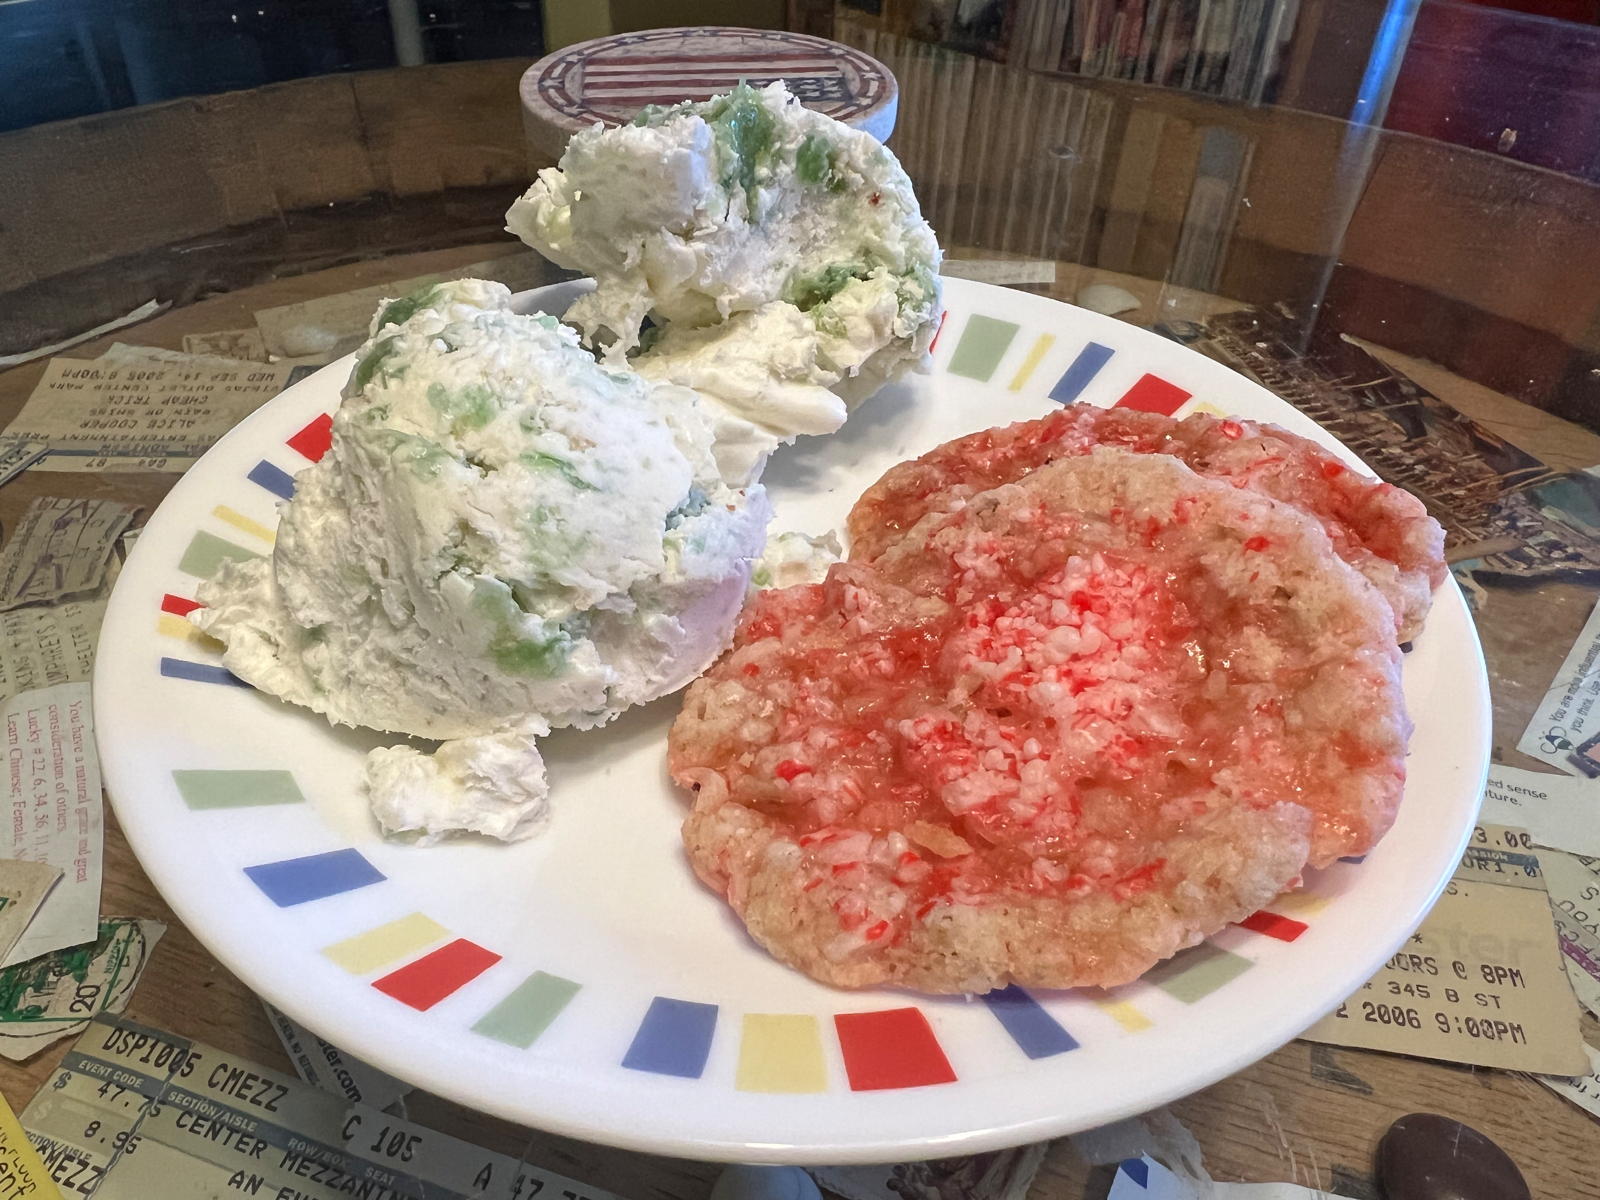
[781, 254]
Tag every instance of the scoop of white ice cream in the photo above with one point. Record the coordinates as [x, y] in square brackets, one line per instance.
[503, 531]
[781, 255]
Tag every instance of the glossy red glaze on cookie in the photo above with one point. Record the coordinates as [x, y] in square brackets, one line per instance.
[1379, 529]
[1049, 735]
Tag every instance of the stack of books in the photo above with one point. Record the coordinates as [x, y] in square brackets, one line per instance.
[1230, 49]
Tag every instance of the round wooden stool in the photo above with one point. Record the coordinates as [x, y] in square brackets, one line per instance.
[610, 79]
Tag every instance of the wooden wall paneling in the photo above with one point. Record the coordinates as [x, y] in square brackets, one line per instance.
[456, 125]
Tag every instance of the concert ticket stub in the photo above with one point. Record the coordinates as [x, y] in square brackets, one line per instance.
[1481, 981]
[324, 1065]
[60, 548]
[134, 1113]
[46, 644]
[18, 454]
[139, 416]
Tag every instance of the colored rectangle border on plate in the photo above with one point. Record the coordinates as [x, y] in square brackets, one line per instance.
[673, 1039]
[781, 1052]
[1285, 929]
[1153, 394]
[244, 524]
[984, 342]
[1041, 346]
[236, 789]
[422, 984]
[892, 1048]
[179, 606]
[276, 480]
[182, 668]
[1194, 974]
[313, 441]
[1081, 373]
[170, 626]
[1124, 1014]
[206, 552]
[526, 1013]
[386, 943]
[1036, 1033]
[292, 881]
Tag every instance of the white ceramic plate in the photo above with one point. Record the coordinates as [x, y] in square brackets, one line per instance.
[582, 981]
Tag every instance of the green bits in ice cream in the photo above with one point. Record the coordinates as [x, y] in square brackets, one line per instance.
[716, 232]
[495, 537]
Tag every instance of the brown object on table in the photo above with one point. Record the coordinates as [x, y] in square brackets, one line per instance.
[1424, 1156]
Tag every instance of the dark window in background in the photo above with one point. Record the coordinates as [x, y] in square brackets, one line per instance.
[1526, 87]
[68, 58]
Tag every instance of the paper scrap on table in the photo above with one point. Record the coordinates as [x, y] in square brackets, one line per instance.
[1107, 299]
[1156, 1132]
[1144, 1178]
[1480, 982]
[182, 1120]
[23, 1175]
[1557, 810]
[330, 326]
[143, 313]
[23, 887]
[1574, 885]
[1582, 1089]
[46, 644]
[46, 998]
[128, 354]
[324, 1065]
[17, 454]
[1001, 270]
[1503, 855]
[139, 416]
[228, 343]
[60, 548]
[995, 1175]
[1567, 715]
[55, 812]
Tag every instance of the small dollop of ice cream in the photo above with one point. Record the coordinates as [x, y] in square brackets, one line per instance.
[794, 558]
[505, 536]
[780, 255]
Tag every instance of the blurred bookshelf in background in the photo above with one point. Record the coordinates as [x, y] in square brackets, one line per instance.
[1516, 78]
[1232, 49]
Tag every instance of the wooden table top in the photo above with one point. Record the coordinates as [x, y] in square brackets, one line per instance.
[1308, 1113]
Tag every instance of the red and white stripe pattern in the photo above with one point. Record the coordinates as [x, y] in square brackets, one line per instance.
[628, 82]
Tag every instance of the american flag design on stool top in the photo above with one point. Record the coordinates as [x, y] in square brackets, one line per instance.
[610, 79]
